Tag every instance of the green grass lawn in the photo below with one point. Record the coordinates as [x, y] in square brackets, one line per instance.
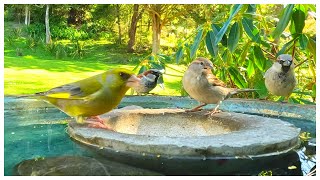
[24, 75]
[36, 69]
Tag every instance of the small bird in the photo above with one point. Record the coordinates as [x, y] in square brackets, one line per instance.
[88, 98]
[149, 80]
[280, 79]
[203, 86]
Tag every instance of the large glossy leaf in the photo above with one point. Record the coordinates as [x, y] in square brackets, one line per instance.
[303, 41]
[237, 78]
[235, 9]
[179, 55]
[298, 17]
[259, 59]
[244, 53]
[142, 69]
[261, 88]
[286, 47]
[250, 68]
[283, 22]
[312, 47]
[196, 44]
[213, 49]
[234, 36]
[251, 30]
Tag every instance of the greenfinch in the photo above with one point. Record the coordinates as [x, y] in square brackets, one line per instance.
[93, 96]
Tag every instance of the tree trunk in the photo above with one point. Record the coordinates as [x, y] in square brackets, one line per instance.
[29, 17]
[156, 29]
[118, 22]
[133, 27]
[48, 34]
[26, 14]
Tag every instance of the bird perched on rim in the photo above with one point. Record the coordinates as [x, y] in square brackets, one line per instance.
[203, 86]
[90, 97]
[149, 80]
[280, 79]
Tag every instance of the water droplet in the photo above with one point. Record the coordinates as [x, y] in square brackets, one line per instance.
[12, 133]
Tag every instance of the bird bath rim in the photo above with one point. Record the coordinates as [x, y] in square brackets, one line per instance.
[258, 136]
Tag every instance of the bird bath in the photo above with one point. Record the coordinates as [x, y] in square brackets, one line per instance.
[165, 139]
[171, 134]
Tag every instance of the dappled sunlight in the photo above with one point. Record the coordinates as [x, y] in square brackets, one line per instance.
[28, 57]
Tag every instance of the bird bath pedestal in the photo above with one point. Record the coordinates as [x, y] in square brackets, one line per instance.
[174, 142]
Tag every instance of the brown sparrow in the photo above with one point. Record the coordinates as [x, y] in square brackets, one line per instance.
[203, 86]
[280, 79]
[149, 80]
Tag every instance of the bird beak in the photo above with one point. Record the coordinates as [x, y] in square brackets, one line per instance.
[287, 63]
[133, 81]
[209, 67]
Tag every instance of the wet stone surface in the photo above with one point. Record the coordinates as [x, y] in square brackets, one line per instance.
[75, 166]
[175, 132]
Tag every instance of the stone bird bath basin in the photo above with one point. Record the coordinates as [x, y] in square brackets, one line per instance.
[174, 142]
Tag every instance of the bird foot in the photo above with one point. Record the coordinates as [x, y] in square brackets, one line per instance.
[97, 122]
[96, 119]
[211, 113]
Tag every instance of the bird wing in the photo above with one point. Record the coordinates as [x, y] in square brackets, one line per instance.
[77, 90]
[213, 80]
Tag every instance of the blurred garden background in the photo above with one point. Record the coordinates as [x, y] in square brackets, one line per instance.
[51, 45]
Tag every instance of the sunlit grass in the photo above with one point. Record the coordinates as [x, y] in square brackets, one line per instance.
[27, 76]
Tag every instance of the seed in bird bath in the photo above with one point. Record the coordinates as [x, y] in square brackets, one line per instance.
[158, 156]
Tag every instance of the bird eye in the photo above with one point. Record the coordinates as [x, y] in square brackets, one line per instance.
[121, 74]
[201, 63]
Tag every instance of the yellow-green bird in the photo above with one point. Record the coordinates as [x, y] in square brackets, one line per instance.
[93, 96]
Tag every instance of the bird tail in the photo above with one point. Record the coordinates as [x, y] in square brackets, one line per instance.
[36, 95]
[237, 91]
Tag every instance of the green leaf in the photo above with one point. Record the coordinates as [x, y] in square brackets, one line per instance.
[196, 44]
[283, 22]
[179, 54]
[312, 47]
[305, 101]
[314, 90]
[142, 69]
[237, 77]
[155, 65]
[285, 48]
[261, 89]
[298, 18]
[303, 41]
[250, 68]
[259, 59]
[213, 49]
[234, 36]
[251, 30]
[244, 53]
[235, 9]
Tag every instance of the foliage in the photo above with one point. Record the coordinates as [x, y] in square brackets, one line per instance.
[242, 43]
[245, 44]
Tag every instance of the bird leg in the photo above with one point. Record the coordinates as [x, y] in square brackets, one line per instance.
[215, 110]
[198, 108]
[97, 122]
